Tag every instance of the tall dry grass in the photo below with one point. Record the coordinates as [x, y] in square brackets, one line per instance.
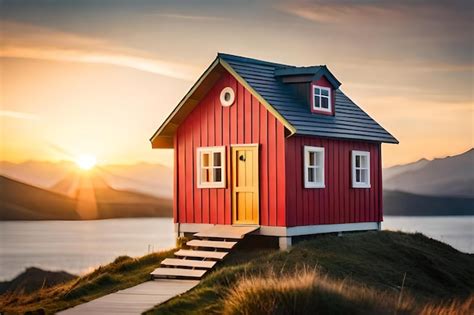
[310, 292]
[450, 308]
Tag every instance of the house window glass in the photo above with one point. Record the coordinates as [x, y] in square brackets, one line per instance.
[321, 98]
[360, 169]
[313, 167]
[211, 167]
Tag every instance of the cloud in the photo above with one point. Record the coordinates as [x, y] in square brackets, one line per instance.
[32, 42]
[426, 66]
[332, 12]
[345, 11]
[18, 115]
[190, 17]
[436, 35]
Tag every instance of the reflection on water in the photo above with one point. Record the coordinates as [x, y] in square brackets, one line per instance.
[78, 246]
[457, 231]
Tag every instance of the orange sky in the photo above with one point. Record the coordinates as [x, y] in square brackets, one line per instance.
[99, 78]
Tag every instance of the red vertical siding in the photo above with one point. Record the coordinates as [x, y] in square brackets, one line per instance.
[281, 180]
[272, 170]
[197, 193]
[264, 206]
[338, 202]
[290, 178]
[180, 170]
[175, 181]
[210, 124]
[189, 169]
[379, 184]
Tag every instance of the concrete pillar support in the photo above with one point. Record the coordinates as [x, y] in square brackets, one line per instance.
[284, 242]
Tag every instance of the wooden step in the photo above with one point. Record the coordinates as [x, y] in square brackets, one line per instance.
[227, 232]
[211, 244]
[208, 264]
[177, 273]
[200, 254]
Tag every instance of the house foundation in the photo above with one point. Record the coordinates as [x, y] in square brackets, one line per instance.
[285, 234]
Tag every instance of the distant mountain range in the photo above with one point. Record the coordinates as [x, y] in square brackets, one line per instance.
[443, 186]
[148, 178]
[91, 198]
[450, 176]
[19, 201]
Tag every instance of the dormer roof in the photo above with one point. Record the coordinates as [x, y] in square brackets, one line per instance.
[266, 81]
[307, 74]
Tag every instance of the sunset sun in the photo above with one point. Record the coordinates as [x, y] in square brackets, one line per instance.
[86, 161]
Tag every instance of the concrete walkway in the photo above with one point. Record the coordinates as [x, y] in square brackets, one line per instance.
[134, 300]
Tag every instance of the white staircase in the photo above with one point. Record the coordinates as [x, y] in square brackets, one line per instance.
[207, 248]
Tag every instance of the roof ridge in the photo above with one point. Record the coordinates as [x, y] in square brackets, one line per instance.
[253, 60]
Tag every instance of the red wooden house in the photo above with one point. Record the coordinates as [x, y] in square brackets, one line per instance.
[273, 145]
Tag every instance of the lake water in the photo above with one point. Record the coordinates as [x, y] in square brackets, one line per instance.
[457, 231]
[80, 246]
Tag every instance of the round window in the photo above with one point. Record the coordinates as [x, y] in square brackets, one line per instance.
[227, 96]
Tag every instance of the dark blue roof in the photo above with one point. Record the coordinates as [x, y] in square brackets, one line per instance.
[313, 72]
[349, 122]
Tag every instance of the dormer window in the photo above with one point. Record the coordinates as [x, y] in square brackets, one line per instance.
[322, 99]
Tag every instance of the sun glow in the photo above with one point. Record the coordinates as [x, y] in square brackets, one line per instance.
[86, 161]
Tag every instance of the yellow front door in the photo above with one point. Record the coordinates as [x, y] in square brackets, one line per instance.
[245, 202]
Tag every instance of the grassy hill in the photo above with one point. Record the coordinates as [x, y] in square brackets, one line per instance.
[20, 201]
[33, 279]
[371, 262]
[359, 273]
[122, 273]
[402, 203]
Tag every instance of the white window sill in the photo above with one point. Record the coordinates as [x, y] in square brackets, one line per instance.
[361, 186]
[214, 185]
[314, 186]
[325, 110]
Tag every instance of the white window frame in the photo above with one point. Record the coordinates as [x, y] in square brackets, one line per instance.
[211, 150]
[356, 184]
[318, 107]
[314, 184]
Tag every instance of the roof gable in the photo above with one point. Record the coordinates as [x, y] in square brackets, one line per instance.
[263, 80]
[163, 137]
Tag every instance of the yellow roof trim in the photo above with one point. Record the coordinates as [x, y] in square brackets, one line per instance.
[267, 105]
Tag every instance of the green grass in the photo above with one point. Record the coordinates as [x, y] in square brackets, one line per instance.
[122, 273]
[377, 261]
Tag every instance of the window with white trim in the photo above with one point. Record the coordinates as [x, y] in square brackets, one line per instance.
[360, 169]
[322, 98]
[313, 167]
[211, 167]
